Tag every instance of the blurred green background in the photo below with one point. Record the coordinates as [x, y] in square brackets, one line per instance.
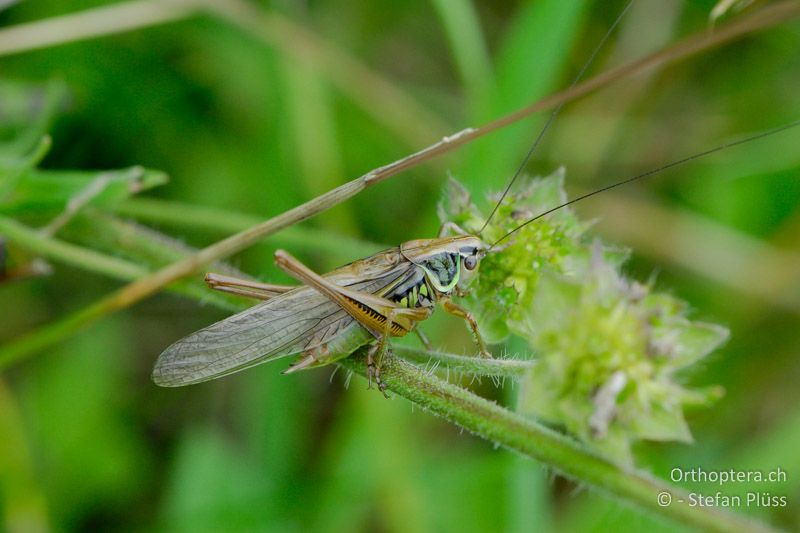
[257, 115]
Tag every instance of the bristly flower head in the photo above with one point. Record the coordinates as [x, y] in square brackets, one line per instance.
[608, 348]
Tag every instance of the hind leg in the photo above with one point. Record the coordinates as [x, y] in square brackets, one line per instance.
[245, 287]
[374, 370]
[375, 355]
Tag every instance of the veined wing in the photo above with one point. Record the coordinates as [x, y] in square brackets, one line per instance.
[298, 320]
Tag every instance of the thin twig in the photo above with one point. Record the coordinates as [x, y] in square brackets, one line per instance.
[767, 17]
[533, 440]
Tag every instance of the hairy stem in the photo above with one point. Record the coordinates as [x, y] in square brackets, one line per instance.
[473, 365]
[533, 440]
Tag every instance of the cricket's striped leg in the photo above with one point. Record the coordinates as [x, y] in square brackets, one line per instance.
[457, 310]
[244, 287]
[375, 359]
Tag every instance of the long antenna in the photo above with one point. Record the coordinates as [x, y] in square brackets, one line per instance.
[652, 172]
[553, 115]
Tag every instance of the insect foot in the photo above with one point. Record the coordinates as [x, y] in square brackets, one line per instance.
[374, 371]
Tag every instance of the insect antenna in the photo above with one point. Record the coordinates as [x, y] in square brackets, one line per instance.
[650, 173]
[553, 115]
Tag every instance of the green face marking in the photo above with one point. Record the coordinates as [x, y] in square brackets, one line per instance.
[443, 271]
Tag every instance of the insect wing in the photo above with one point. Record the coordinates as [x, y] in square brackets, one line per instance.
[298, 320]
[271, 329]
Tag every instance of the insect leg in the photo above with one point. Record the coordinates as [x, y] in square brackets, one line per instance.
[462, 293]
[375, 356]
[368, 309]
[244, 287]
[381, 317]
[308, 359]
[373, 370]
[423, 339]
[457, 310]
[451, 227]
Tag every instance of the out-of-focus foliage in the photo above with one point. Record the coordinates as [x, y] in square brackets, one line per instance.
[248, 128]
[725, 8]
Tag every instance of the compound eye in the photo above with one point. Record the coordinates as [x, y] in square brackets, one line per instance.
[470, 262]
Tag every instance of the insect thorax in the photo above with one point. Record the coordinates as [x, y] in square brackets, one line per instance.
[412, 290]
[442, 271]
[435, 275]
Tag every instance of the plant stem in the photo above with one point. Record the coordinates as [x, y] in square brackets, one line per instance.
[760, 20]
[96, 22]
[474, 365]
[71, 254]
[461, 24]
[106, 265]
[533, 440]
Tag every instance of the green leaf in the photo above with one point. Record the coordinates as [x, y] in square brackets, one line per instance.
[665, 422]
[695, 340]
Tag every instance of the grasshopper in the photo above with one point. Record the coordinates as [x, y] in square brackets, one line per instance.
[364, 302]
[382, 296]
